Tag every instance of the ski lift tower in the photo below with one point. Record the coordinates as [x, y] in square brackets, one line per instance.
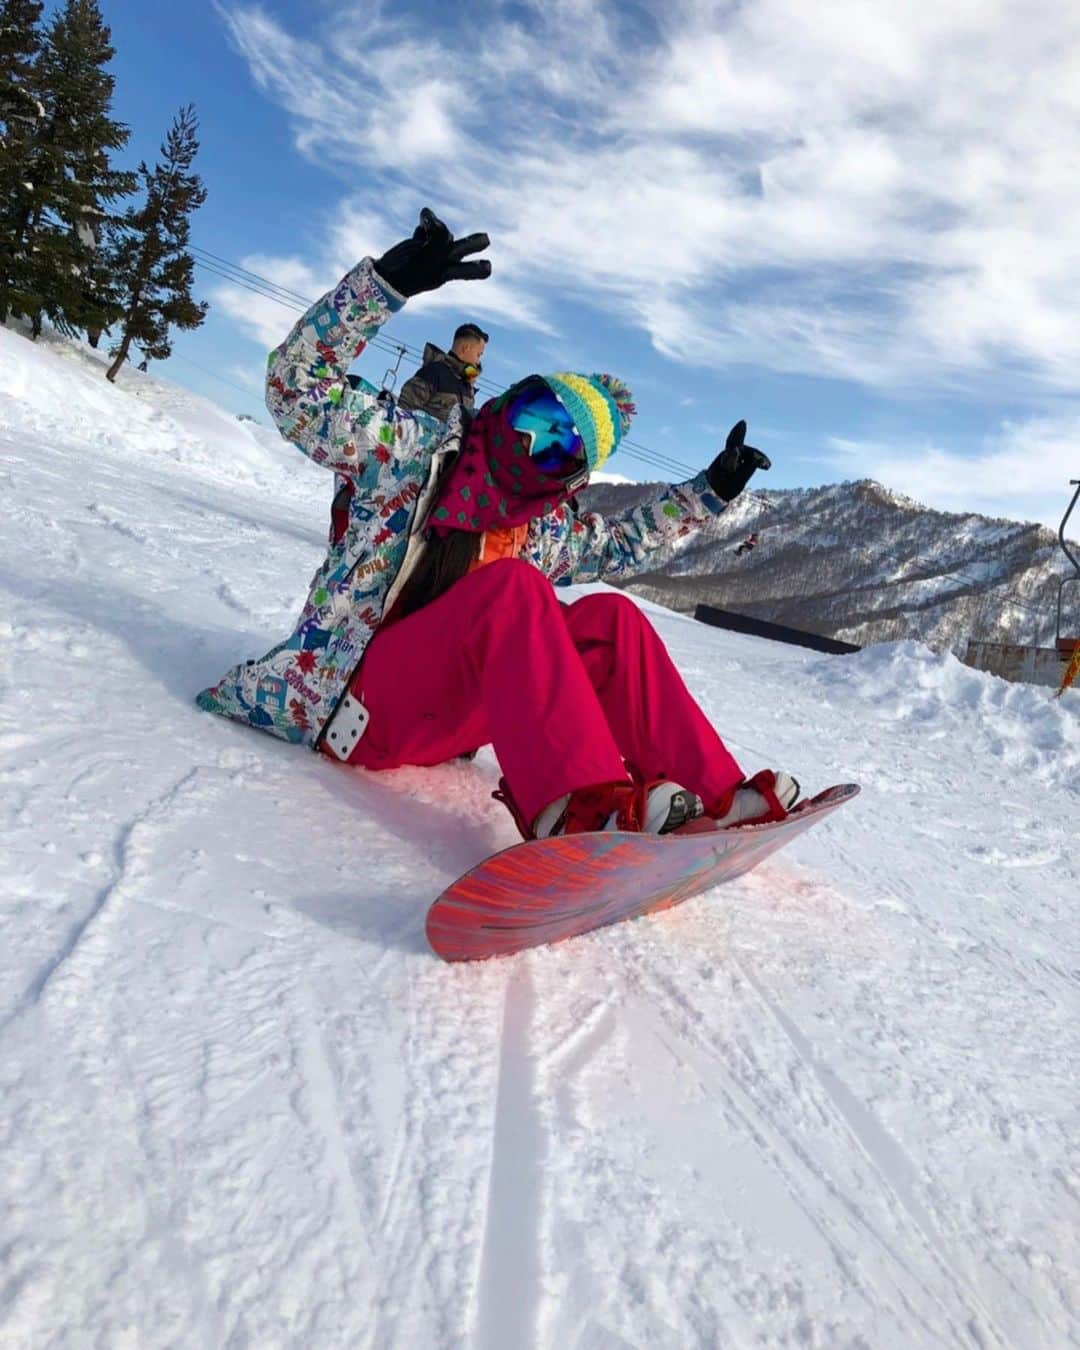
[1066, 645]
[1029, 662]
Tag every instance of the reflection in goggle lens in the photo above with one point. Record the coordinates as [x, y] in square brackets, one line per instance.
[556, 444]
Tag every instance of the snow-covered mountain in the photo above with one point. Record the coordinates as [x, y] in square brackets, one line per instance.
[860, 563]
[831, 1105]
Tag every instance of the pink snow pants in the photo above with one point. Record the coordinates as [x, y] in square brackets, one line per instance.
[563, 692]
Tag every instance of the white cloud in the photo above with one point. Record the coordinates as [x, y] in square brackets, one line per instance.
[359, 232]
[376, 94]
[251, 377]
[352, 236]
[876, 192]
[264, 321]
[1021, 472]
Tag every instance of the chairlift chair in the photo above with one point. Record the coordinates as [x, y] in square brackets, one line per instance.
[390, 378]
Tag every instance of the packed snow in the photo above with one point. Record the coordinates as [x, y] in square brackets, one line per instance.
[833, 1104]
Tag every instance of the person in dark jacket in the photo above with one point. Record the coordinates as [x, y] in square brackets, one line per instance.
[446, 378]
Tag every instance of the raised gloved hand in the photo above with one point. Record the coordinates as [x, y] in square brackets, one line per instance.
[735, 465]
[432, 257]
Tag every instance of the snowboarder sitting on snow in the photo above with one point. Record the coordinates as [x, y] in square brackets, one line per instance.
[432, 627]
[446, 378]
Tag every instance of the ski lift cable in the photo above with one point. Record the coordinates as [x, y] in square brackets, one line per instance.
[298, 305]
[259, 285]
[215, 376]
[244, 276]
[294, 305]
[291, 295]
[252, 281]
[203, 253]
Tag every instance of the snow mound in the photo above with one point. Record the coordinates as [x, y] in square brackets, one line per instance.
[58, 394]
[1010, 730]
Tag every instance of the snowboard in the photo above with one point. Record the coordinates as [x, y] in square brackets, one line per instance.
[545, 890]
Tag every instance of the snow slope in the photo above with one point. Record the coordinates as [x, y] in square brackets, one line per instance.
[833, 1104]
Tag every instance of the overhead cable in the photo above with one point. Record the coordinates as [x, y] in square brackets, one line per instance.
[249, 280]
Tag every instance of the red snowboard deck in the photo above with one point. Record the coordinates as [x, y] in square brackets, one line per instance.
[546, 890]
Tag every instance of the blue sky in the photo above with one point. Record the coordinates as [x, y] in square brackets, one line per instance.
[854, 225]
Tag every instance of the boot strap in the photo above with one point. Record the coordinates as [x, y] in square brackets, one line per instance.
[764, 781]
[503, 794]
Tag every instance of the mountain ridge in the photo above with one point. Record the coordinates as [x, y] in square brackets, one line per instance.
[863, 563]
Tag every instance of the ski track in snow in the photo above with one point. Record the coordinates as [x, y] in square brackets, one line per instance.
[830, 1105]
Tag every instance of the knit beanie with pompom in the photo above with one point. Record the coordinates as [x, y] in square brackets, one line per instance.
[601, 407]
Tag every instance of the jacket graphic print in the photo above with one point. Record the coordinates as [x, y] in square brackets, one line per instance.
[386, 461]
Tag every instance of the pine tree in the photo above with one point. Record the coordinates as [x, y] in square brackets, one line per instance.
[21, 114]
[151, 262]
[62, 272]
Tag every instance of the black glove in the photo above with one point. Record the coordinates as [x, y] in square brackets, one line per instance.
[735, 465]
[432, 257]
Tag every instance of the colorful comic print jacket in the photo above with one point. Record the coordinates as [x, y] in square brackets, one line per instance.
[386, 461]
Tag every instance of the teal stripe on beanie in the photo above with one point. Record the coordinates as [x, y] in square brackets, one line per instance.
[601, 407]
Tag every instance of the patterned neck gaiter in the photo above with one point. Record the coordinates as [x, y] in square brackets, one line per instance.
[493, 483]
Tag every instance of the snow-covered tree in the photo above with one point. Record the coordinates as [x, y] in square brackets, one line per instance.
[153, 269]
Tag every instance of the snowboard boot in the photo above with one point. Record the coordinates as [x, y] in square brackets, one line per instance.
[642, 808]
[767, 796]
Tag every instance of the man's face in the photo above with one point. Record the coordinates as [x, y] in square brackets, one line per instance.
[471, 350]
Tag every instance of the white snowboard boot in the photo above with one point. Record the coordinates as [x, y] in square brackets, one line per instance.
[653, 808]
[766, 796]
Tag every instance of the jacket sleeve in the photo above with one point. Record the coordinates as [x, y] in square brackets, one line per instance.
[309, 397]
[571, 546]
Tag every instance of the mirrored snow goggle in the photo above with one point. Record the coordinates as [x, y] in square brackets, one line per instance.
[555, 444]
